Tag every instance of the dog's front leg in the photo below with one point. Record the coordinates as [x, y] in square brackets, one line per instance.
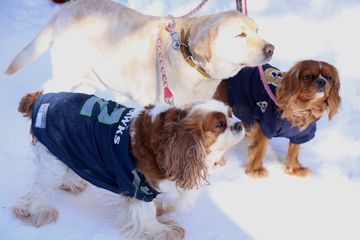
[256, 152]
[293, 165]
[141, 222]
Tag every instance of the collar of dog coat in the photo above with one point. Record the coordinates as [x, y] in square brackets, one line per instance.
[184, 48]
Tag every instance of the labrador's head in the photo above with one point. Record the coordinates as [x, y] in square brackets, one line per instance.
[226, 42]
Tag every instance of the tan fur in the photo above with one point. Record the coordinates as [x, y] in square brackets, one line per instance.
[256, 152]
[293, 165]
[297, 100]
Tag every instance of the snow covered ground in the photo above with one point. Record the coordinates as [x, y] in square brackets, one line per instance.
[325, 205]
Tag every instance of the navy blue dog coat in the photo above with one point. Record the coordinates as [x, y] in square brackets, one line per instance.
[250, 101]
[91, 136]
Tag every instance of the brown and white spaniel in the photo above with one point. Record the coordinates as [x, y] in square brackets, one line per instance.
[172, 150]
[290, 107]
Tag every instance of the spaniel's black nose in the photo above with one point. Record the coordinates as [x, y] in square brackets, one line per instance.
[321, 82]
[238, 126]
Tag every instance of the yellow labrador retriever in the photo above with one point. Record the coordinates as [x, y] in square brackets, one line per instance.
[100, 45]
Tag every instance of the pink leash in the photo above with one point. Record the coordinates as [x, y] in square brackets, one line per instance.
[168, 95]
[266, 85]
[241, 8]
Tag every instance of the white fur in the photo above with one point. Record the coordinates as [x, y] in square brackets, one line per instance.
[141, 220]
[104, 48]
[319, 95]
[225, 141]
[158, 109]
[211, 105]
[175, 197]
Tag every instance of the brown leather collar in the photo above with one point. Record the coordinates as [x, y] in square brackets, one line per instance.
[184, 48]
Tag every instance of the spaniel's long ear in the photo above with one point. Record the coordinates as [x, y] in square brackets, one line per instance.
[201, 42]
[289, 88]
[334, 99]
[185, 155]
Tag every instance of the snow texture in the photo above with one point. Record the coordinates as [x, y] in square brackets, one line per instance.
[234, 206]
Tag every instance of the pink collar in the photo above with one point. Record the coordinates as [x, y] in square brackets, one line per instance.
[266, 85]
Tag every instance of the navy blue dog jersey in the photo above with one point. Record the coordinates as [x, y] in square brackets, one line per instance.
[250, 101]
[91, 136]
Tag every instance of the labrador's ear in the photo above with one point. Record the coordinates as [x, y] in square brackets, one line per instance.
[201, 43]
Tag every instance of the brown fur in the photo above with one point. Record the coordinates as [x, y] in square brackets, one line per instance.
[150, 141]
[295, 94]
[294, 167]
[221, 92]
[296, 98]
[256, 152]
[175, 145]
[27, 103]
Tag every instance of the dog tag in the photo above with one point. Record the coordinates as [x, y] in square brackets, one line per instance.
[176, 41]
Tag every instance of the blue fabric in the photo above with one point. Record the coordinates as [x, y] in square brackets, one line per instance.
[250, 101]
[91, 136]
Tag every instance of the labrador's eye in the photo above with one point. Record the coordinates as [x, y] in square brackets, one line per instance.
[242, 35]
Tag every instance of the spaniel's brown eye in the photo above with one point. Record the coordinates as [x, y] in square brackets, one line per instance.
[220, 124]
[328, 77]
[241, 35]
[310, 77]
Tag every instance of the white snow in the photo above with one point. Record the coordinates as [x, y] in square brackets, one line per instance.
[325, 205]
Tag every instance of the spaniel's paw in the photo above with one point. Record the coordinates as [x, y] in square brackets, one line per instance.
[37, 217]
[298, 171]
[259, 172]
